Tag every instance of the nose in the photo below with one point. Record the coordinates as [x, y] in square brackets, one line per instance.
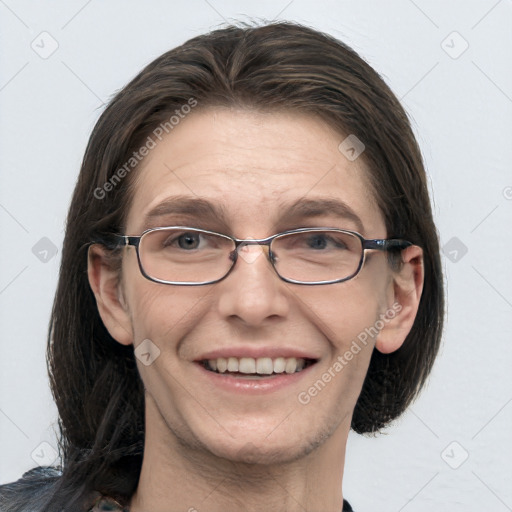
[253, 292]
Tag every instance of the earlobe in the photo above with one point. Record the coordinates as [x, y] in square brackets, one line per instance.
[404, 297]
[112, 306]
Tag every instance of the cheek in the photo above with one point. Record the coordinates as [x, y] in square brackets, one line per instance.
[346, 317]
[162, 312]
[162, 316]
[344, 311]
[156, 309]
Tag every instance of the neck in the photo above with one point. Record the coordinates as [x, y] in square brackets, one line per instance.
[178, 476]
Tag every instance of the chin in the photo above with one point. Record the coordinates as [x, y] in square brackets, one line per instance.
[257, 448]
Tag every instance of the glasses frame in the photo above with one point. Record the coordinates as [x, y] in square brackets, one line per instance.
[384, 244]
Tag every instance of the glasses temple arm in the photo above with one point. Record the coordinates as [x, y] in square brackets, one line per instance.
[386, 245]
[114, 241]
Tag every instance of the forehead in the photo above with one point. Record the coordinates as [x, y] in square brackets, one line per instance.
[252, 165]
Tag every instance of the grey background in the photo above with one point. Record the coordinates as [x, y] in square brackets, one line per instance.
[460, 101]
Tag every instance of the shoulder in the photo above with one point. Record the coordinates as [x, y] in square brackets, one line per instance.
[30, 492]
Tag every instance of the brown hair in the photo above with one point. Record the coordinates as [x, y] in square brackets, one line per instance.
[94, 379]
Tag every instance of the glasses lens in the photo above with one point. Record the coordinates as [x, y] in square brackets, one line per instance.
[185, 255]
[317, 255]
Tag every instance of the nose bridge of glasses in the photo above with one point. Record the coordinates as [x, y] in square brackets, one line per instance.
[250, 256]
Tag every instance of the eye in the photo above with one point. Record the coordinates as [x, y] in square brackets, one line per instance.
[188, 240]
[317, 241]
[322, 240]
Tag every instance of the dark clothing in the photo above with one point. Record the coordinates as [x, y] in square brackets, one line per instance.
[33, 491]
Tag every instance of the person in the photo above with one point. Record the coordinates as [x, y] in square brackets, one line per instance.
[250, 269]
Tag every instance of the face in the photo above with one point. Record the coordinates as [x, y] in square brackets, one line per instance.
[253, 166]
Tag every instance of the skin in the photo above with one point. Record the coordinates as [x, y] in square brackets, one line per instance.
[206, 448]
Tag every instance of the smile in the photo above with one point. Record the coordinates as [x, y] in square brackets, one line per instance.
[262, 366]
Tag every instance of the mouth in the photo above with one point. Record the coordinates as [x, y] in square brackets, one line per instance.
[262, 367]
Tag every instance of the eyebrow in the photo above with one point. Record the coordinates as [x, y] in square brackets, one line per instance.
[204, 209]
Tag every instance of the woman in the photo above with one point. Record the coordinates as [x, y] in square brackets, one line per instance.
[250, 269]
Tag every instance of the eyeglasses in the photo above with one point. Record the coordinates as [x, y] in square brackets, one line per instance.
[181, 255]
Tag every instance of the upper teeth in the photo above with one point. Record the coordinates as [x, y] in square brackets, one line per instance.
[262, 365]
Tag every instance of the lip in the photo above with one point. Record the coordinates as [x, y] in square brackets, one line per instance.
[257, 352]
[245, 386]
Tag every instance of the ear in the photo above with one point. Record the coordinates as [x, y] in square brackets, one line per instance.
[105, 284]
[404, 296]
